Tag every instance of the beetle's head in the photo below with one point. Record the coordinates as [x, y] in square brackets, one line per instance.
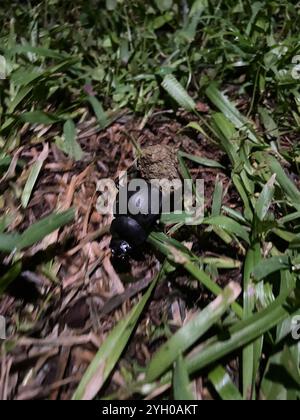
[120, 249]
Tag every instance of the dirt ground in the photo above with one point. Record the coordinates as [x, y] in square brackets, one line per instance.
[59, 313]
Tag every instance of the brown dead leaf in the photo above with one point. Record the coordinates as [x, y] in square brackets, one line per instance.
[116, 284]
[177, 256]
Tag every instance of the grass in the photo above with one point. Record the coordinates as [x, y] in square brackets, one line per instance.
[66, 66]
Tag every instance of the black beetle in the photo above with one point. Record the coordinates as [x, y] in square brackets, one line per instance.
[131, 227]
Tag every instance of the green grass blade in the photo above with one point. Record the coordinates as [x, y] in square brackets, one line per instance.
[265, 199]
[22, 93]
[10, 276]
[270, 266]
[44, 227]
[290, 218]
[230, 112]
[291, 362]
[33, 176]
[201, 161]
[224, 385]
[235, 215]
[241, 334]
[248, 212]
[111, 350]
[39, 117]
[217, 198]
[288, 280]
[179, 254]
[99, 111]
[227, 136]
[249, 373]
[181, 382]
[9, 242]
[40, 51]
[222, 262]
[173, 218]
[229, 225]
[186, 336]
[5, 221]
[285, 182]
[72, 147]
[178, 93]
[281, 380]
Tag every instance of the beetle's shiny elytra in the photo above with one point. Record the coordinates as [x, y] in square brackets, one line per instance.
[130, 230]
